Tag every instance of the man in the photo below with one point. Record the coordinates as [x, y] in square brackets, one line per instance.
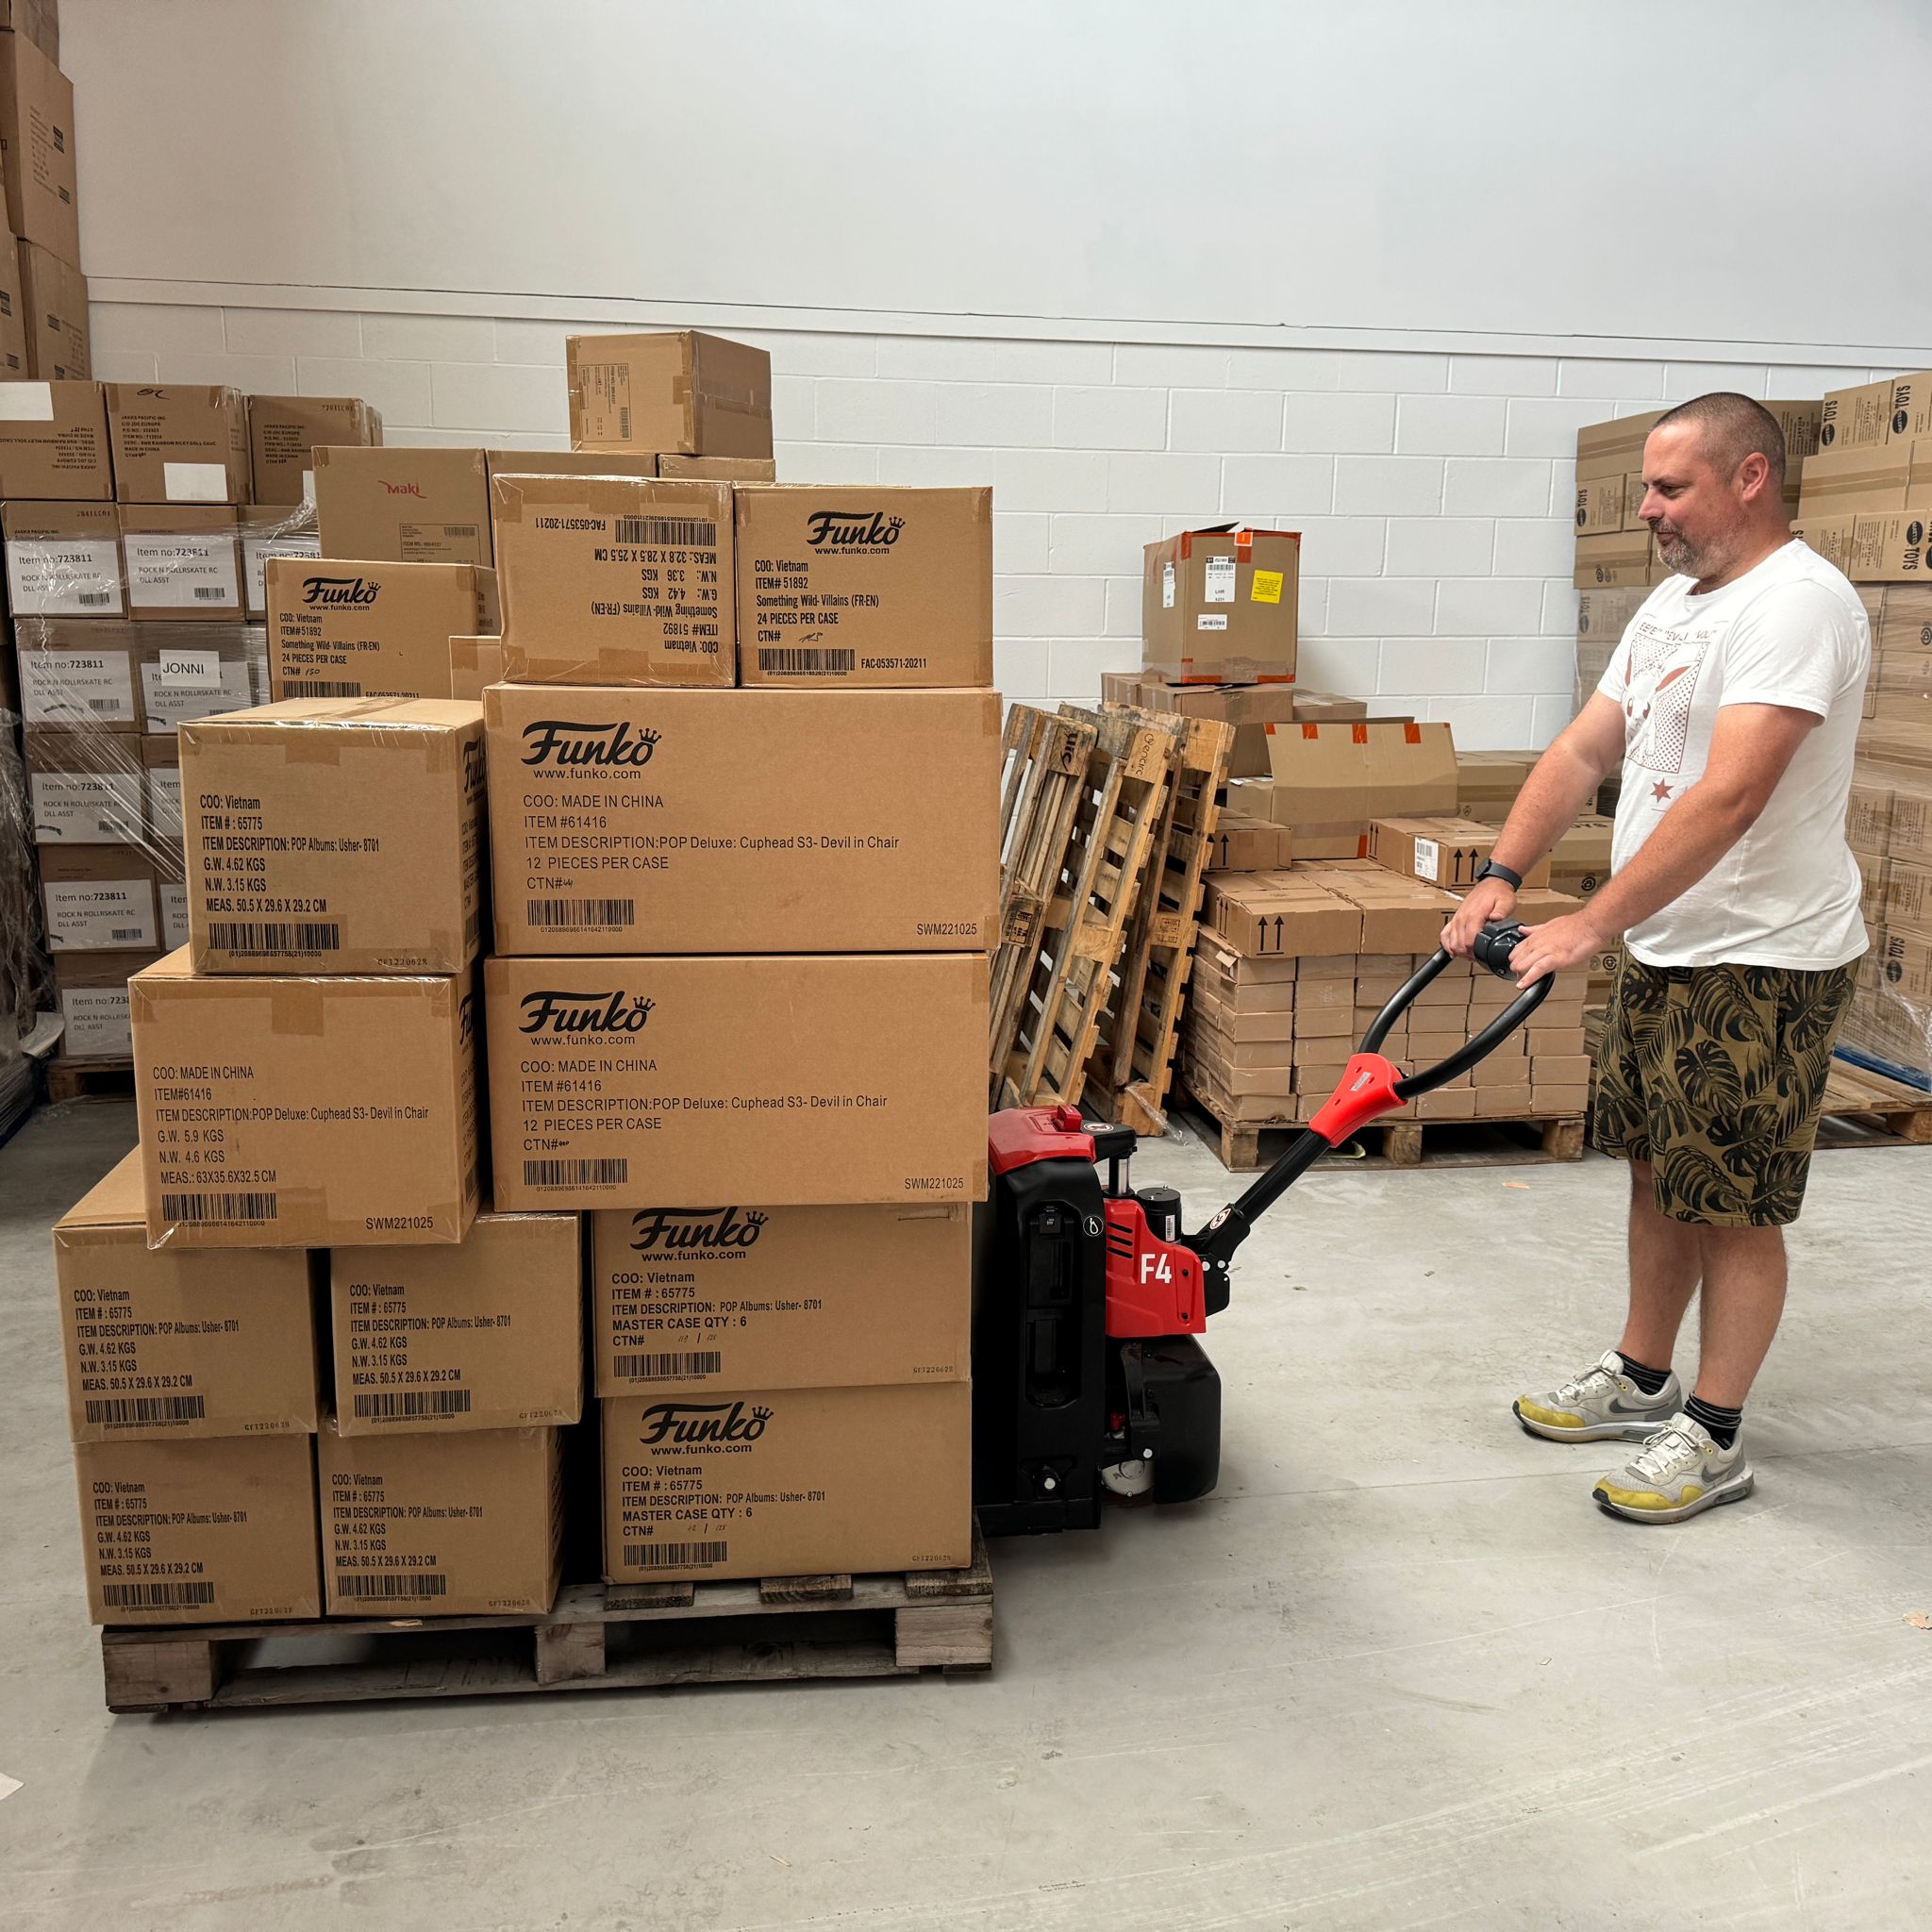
[1733, 702]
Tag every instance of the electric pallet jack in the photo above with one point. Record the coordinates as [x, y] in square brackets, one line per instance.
[1088, 1374]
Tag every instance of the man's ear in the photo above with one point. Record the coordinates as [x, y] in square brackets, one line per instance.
[1753, 476]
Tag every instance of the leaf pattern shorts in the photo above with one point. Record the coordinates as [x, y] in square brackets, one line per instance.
[1715, 1075]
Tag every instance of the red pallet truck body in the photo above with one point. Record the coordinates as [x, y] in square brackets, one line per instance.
[1089, 1300]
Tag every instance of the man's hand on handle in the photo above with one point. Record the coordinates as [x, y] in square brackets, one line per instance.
[1485, 900]
[1555, 947]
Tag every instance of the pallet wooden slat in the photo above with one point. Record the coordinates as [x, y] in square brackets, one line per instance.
[89, 1079]
[597, 1637]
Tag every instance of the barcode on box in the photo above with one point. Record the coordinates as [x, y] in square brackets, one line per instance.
[276, 934]
[211, 594]
[804, 661]
[131, 934]
[93, 597]
[156, 1596]
[390, 1406]
[321, 688]
[700, 532]
[582, 915]
[672, 1555]
[660, 1368]
[576, 1174]
[139, 1411]
[213, 1209]
[388, 1584]
[623, 424]
[103, 704]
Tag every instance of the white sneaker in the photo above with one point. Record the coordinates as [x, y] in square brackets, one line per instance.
[1601, 1405]
[1679, 1471]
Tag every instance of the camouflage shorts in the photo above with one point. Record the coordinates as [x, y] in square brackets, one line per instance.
[1715, 1075]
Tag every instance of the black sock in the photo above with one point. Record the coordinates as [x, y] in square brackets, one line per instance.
[1649, 1380]
[1722, 1423]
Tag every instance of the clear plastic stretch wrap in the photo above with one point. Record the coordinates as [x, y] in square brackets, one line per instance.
[1890, 1026]
[123, 630]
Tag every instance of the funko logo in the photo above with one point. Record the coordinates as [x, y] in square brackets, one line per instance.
[668, 1230]
[566, 1010]
[687, 1422]
[853, 530]
[343, 591]
[569, 741]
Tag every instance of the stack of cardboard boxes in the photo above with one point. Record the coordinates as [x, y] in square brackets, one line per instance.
[1866, 502]
[1293, 966]
[43, 321]
[737, 1008]
[137, 521]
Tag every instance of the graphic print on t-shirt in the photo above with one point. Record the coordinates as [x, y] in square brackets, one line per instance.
[1656, 698]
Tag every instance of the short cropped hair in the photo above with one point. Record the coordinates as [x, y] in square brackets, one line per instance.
[1734, 427]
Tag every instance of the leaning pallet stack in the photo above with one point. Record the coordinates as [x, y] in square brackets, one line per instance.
[737, 959]
[1866, 499]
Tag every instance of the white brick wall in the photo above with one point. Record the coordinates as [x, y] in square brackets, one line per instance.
[1433, 490]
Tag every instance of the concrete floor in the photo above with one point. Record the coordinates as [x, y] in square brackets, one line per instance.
[1398, 1674]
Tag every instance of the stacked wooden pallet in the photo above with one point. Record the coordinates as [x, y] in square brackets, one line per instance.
[1106, 823]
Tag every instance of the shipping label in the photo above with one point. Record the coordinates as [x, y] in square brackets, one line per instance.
[77, 687]
[180, 686]
[65, 576]
[100, 915]
[96, 1023]
[259, 547]
[182, 570]
[87, 807]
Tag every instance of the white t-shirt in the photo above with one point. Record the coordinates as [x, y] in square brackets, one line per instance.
[1791, 631]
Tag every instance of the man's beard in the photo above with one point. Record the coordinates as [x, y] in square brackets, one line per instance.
[1687, 559]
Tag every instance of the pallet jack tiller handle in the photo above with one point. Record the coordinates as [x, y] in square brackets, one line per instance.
[1370, 1086]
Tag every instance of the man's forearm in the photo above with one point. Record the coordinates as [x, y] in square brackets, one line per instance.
[1563, 782]
[1697, 831]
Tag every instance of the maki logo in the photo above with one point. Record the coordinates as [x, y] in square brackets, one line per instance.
[566, 742]
[853, 530]
[341, 592]
[567, 1010]
[669, 1230]
[686, 1422]
[414, 489]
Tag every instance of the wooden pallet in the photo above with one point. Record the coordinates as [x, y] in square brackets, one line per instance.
[600, 1637]
[1082, 928]
[1867, 1110]
[1044, 768]
[1132, 1065]
[89, 1079]
[1248, 1147]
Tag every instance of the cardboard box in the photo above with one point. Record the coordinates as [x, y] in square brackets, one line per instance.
[488, 1334]
[462, 1525]
[53, 311]
[199, 1532]
[77, 671]
[1240, 843]
[269, 531]
[348, 629]
[179, 1344]
[475, 664]
[183, 560]
[611, 580]
[1249, 709]
[1856, 418]
[64, 559]
[1398, 915]
[364, 815]
[1581, 861]
[1444, 850]
[37, 148]
[1888, 526]
[1329, 780]
[1623, 560]
[346, 1108]
[717, 469]
[284, 430]
[1279, 915]
[1328, 707]
[92, 989]
[1218, 606]
[403, 505]
[728, 1296]
[54, 442]
[84, 787]
[189, 670]
[698, 394]
[847, 588]
[784, 1079]
[13, 325]
[681, 821]
[179, 442]
[570, 463]
[99, 899]
[39, 20]
[859, 1480]
[1600, 495]
[1603, 615]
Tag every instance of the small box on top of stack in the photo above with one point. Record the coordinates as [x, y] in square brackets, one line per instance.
[740, 960]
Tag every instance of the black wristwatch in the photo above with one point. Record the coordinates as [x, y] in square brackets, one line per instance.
[1490, 870]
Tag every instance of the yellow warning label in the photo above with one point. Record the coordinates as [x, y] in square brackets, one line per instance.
[1267, 587]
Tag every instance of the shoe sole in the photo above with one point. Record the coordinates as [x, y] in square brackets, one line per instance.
[1593, 1432]
[1734, 1491]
